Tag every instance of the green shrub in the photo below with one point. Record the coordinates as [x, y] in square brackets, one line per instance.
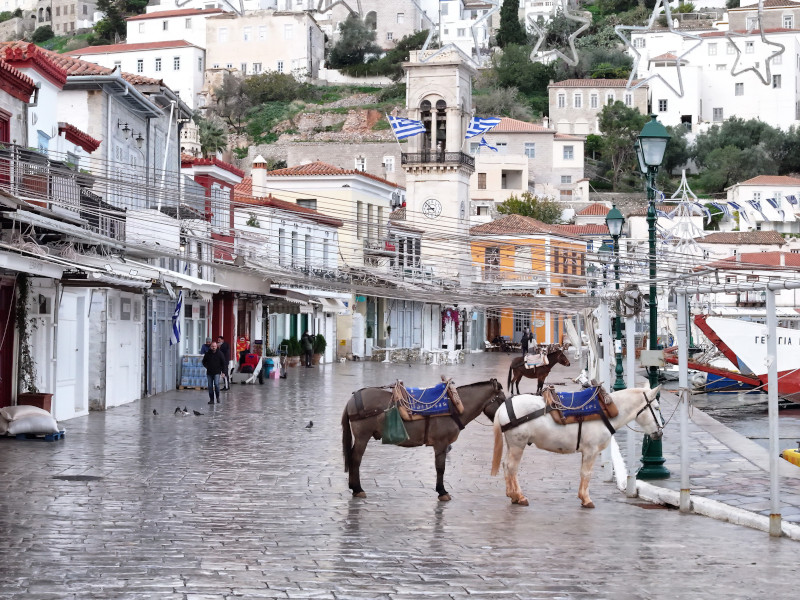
[320, 344]
[42, 34]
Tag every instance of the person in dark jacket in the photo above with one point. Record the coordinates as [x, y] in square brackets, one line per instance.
[223, 347]
[527, 336]
[215, 364]
[307, 343]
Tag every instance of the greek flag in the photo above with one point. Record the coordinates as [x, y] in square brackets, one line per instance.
[477, 126]
[723, 207]
[775, 203]
[757, 205]
[485, 144]
[175, 336]
[704, 211]
[663, 214]
[405, 128]
[792, 200]
[742, 212]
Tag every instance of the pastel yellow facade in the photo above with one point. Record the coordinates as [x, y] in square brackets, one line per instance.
[548, 262]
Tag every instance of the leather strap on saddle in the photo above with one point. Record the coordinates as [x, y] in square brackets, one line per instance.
[610, 409]
[515, 421]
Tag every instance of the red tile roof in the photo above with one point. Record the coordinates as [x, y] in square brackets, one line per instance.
[243, 194]
[771, 180]
[567, 137]
[78, 137]
[109, 48]
[641, 211]
[589, 229]
[596, 209]
[758, 261]
[771, 4]
[62, 65]
[740, 238]
[182, 12]
[187, 160]
[594, 83]
[665, 56]
[508, 125]
[321, 168]
[24, 54]
[15, 82]
[518, 224]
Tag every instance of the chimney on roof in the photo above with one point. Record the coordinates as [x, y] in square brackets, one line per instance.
[259, 175]
[546, 122]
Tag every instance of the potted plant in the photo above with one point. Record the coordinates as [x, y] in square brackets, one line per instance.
[319, 348]
[28, 393]
[294, 352]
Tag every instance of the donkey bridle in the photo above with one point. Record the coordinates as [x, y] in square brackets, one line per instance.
[648, 404]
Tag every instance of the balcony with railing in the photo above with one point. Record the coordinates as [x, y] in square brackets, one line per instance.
[34, 177]
[455, 159]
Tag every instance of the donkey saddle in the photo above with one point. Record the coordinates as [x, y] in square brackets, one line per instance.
[419, 403]
[591, 404]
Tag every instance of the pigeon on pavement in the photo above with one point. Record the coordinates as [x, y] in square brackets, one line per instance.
[310, 425]
[197, 413]
[155, 412]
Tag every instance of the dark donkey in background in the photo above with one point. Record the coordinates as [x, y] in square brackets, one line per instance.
[518, 370]
[439, 431]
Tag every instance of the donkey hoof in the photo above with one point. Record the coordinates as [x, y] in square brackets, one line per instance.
[523, 502]
[589, 504]
[444, 498]
[359, 494]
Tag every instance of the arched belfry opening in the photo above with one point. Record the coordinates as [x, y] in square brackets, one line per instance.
[426, 117]
[441, 127]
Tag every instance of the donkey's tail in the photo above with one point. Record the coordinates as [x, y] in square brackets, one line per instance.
[498, 445]
[347, 440]
[510, 371]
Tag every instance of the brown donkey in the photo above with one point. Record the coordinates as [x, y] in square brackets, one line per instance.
[440, 431]
[518, 370]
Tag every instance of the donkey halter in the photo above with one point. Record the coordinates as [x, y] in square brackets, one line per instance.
[648, 404]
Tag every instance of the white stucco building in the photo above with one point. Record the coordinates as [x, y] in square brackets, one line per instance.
[765, 202]
[285, 42]
[188, 24]
[576, 103]
[179, 63]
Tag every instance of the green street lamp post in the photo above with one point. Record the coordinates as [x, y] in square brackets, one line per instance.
[651, 144]
[615, 221]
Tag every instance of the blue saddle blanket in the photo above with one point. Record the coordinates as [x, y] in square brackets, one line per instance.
[585, 402]
[429, 401]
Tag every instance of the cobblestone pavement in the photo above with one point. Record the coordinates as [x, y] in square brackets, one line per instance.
[245, 502]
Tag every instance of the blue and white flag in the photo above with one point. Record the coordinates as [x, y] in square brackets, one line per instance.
[175, 336]
[703, 210]
[792, 200]
[722, 207]
[405, 128]
[663, 214]
[757, 205]
[477, 126]
[742, 212]
[776, 204]
[485, 144]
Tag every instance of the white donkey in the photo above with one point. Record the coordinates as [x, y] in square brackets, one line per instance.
[589, 438]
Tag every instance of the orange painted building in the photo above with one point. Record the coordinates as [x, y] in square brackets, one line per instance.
[526, 257]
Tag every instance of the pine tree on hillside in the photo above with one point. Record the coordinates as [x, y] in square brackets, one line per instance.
[511, 30]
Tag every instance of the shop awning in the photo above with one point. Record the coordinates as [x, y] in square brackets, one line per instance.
[331, 304]
[180, 280]
[28, 264]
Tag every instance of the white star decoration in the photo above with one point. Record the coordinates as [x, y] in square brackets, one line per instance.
[766, 79]
[540, 34]
[432, 30]
[634, 70]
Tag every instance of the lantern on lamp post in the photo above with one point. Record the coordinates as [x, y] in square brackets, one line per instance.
[615, 222]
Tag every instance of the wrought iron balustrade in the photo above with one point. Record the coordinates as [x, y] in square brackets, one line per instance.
[444, 158]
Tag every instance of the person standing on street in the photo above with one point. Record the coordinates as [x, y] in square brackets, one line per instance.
[307, 342]
[215, 364]
[225, 349]
[205, 347]
[526, 340]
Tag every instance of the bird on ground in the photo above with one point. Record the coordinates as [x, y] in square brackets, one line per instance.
[155, 412]
[310, 425]
[473, 364]
[185, 410]
[178, 410]
[197, 413]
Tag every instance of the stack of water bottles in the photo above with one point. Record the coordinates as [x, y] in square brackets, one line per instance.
[193, 373]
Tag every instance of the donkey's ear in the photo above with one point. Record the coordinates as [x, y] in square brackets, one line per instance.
[653, 393]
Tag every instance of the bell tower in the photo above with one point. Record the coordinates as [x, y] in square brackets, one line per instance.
[439, 93]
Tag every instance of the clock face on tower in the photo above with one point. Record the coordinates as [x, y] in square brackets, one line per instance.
[432, 208]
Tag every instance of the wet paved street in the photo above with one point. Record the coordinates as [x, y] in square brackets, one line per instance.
[246, 502]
